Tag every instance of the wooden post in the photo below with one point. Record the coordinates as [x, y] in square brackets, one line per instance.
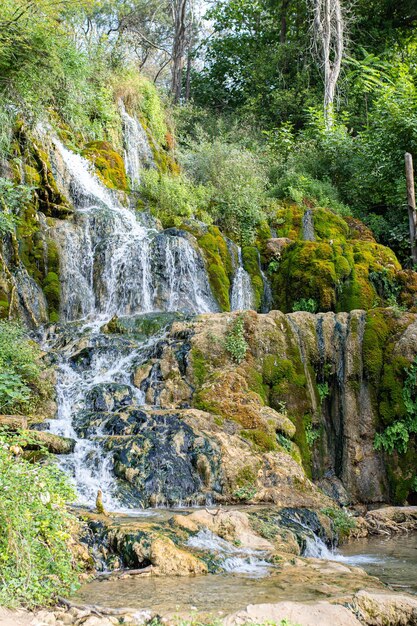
[411, 201]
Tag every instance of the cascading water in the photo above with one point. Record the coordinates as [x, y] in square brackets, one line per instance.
[232, 559]
[137, 151]
[242, 292]
[112, 263]
[110, 260]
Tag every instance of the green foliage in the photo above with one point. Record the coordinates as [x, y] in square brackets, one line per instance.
[397, 435]
[36, 561]
[12, 198]
[21, 385]
[284, 442]
[305, 304]
[312, 434]
[237, 182]
[323, 391]
[235, 343]
[342, 522]
[173, 198]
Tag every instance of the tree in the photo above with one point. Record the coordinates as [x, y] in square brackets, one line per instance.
[329, 40]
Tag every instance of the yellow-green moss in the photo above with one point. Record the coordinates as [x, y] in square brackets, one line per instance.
[264, 441]
[250, 259]
[219, 265]
[108, 163]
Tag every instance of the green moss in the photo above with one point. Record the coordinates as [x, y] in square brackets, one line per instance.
[266, 442]
[52, 290]
[336, 270]
[108, 163]
[199, 365]
[256, 383]
[250, 259]
[275, 370]
[219, 265]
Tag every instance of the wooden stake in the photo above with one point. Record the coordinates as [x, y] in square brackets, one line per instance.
[411, 200]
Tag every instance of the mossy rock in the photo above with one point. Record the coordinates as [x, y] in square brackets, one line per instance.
[219, 265]
[338, 277]
[108, 163]
[250, 260]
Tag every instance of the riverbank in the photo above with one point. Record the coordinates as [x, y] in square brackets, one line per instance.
[350, 586]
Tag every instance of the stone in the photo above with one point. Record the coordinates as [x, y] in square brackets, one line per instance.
[168, 560]
[53, 443]
[319, 614]
[274, 247]
[382, 609]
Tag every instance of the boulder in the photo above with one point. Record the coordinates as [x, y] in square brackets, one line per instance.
[320, 614]
[168, 560]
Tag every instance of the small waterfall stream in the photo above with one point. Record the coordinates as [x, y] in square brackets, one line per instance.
[138, 152]
[242, 293]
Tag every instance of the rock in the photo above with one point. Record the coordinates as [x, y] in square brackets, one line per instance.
[386, 609]
[281, 423]
[13, 422]
[53, 443]
[319, 614]
[97, 621]
[274, 247]
[230, 525]
[168, 560]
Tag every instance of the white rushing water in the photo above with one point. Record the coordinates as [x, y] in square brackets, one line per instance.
[233, 559]
[242, 292]
[114, 264]
[137, 151]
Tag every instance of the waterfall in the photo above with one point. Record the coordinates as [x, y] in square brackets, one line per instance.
[137, 151]
[113, 264]
[308, 226]
[242, 292]
[231, 558]
[99, 379]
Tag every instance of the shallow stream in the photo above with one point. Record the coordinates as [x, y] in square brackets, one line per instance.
[392, 560]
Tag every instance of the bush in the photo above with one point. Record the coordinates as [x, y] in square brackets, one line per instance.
[21, 384]
[237, 180]
[36, 563]
[235, 343]
[173, 198]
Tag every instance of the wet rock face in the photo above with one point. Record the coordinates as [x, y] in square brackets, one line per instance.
[165, 461]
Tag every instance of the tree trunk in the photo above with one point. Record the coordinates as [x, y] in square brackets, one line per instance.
[329, 34]
[411, 200]
[179, 10]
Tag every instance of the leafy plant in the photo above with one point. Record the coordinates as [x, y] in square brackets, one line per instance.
[312, 434]
[235, 342]
[36, 562]
[342, 522]
[323, 391]
[284, 442]
[397, 435]
[21, 383]
[305, 304]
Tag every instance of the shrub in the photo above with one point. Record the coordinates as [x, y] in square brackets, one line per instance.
[235, 343]
[21, 384]
[36, 563]
[237, 181]
[305, 304]
[173, 198]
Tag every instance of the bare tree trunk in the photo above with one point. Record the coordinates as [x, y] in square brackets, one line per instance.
[179, 12]
[329, 37]
[411, 200]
